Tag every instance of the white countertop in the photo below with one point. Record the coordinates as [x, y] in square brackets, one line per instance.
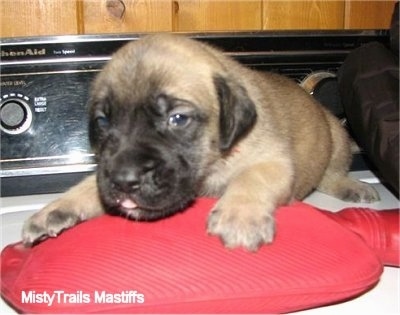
[384, 298]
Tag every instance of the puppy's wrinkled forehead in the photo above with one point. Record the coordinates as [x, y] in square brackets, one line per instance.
[162, 64]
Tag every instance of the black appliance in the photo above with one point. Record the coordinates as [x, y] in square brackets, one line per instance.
[45, 82]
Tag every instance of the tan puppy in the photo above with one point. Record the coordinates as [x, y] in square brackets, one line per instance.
[172, 119]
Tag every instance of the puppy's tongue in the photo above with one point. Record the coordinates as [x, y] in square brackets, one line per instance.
[128, 204]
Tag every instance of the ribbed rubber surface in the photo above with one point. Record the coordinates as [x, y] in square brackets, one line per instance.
[178, 268]
[378, 229]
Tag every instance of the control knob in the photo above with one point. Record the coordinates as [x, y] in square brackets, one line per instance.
[15, 116]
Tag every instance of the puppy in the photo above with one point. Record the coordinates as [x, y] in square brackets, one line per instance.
[172, 119]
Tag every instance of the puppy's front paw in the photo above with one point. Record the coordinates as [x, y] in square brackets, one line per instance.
[242, 225]
[48, 222]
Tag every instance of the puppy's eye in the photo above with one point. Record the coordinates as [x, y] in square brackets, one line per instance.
[178, 120]
[102, 121]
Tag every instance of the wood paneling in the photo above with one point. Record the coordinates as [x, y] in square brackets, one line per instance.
[216, 15]
[303, 14]
[119, 16]
[368, 14]
[38, 17]
[56, 17]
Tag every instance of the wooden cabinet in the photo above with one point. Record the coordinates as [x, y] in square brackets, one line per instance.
[55, 17]
[217, 15]
[117, 16]
[368, 14]
[320, 14]
[38, 17]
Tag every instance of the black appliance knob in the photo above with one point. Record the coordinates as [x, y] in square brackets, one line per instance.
[15, 116]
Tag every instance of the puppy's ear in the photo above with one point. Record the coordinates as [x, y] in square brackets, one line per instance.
[237, 111]
[92, 124]
[99, 121]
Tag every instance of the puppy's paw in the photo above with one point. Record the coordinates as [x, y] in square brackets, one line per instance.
[246, 225]
[356, 191]
[49, 222]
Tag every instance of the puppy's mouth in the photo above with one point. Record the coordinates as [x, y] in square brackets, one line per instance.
[144, 195]
[131, 209]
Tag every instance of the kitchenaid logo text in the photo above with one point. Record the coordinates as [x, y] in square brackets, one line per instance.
[23, 53]
[50, 298]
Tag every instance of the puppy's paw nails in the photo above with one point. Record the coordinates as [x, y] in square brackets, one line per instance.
[31, 233]
[360, 192]
[50, 224]
[235, 231]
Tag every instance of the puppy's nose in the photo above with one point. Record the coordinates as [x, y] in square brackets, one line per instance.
[126, 179]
